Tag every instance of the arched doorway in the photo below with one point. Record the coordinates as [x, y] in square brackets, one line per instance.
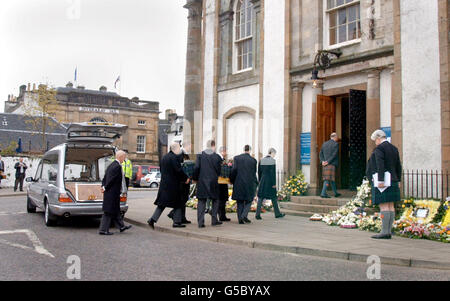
[239, 130]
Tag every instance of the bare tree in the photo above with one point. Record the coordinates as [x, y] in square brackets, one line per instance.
[41, 109]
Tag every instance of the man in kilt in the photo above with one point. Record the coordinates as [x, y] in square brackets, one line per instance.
[329, 156]
[385, 158]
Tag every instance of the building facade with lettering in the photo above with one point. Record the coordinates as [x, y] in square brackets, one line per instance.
[84, 105]
[380, 63]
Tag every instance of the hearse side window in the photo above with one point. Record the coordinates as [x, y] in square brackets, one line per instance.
[50, 168]
[38, 172]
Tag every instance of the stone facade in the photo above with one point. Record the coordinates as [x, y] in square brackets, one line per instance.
[396, 59]
[82, 105]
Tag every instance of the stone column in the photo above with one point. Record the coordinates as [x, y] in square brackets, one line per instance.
[372, 108]
[295, 127]
[192, 94]
[314, 188]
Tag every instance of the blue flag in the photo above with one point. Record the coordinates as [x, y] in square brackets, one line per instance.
[76, 73]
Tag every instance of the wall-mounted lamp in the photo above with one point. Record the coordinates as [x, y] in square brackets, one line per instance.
[323, 61]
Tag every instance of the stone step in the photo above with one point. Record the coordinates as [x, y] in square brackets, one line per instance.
[313, 200]
[297, 213]
[308, 207]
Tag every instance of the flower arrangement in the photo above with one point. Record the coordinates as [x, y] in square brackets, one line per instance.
[369, 223]
[294, 186]
[231, 205]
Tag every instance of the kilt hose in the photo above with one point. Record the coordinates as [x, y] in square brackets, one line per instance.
[329, 173]
[390, 195]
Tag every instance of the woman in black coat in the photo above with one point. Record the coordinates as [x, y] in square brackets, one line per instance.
[268, 183]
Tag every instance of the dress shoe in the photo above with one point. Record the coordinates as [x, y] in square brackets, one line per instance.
[175, 225]
[216, 223]
[382, 236]
[258, 217]
[337, 195]
[125, 228]
[241, 222]
[224, 219]
[185, 221]
[325, 197]
[151, 223]
[246, 220]
[201, 226]
[105, 233]
[170, 215]
[280, 216]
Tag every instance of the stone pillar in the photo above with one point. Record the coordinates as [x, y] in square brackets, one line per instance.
[314, 188]
[372, 108]
[193, 85]
[295, 127]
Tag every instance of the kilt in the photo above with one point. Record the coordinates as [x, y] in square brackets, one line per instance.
[329, 173]
[390, 195]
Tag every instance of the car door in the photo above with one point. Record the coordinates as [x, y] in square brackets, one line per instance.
[47, 185]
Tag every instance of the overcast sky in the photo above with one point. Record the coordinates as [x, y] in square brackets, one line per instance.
[143, 41]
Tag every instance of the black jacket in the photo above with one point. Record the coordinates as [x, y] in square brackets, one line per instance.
[267, 178]
[2, 166]
[183, 186]
[330, 152]
[112, 182]
[243, 177]
[206, 173]
[17, 167]
[172, 175]
[223, 188]
[385, 157]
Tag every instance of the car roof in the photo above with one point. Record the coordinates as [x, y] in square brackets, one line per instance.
[95, 132]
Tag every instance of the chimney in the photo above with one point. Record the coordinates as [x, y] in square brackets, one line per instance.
[9, 97]
[69, 85]
[29, 87]
[103, 89]
[22, 90]
[34, 87]
[80, 87]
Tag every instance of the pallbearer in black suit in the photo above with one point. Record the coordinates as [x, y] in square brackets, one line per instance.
[206, 173]
[185, 188]
[243, 177]
[385, 158]
[113, 186]
[223, 189]
[169, 193]
[268, 183]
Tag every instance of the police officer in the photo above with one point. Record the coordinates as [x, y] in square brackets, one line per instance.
[127, 168]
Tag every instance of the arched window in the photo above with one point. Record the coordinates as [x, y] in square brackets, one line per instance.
[244, 35]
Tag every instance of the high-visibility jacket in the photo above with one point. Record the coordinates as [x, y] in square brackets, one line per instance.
[127, 168]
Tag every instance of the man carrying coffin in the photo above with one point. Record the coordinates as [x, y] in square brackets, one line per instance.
[170, 193]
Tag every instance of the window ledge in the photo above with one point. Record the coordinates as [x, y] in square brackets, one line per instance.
[344, 44]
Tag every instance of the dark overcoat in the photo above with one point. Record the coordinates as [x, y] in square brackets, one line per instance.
[206, 173]
[243, 177]
[172, 175]
[330, 152]
[267, 178]
[183, 186]
[384, 158]
[112, 182]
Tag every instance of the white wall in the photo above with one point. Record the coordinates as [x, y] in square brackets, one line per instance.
[10, 172]
[385, 98]
[208, 92]
[274, 78]
[421, 105]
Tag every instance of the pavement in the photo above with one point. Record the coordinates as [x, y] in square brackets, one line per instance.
[299, 235]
